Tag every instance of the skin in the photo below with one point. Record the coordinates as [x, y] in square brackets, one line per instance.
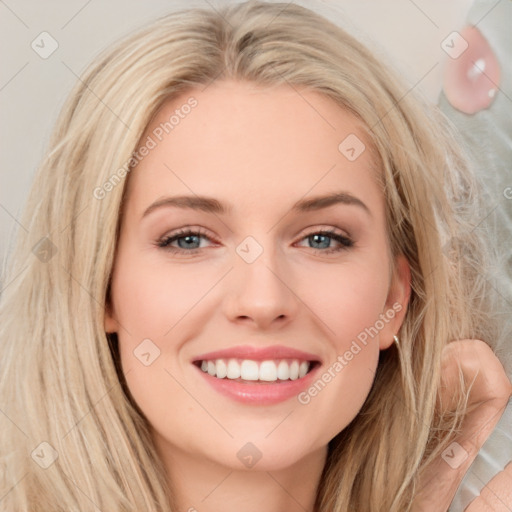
[488, 399]
[471, 81]
[231, 147]
[496, 496]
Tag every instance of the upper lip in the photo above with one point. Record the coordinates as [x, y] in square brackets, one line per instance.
[258, 353]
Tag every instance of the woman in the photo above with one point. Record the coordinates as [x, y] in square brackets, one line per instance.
[257, 370]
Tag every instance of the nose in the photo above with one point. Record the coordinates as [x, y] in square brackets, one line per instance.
[260, 292]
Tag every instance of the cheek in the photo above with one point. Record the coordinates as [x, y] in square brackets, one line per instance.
[149, 300]
[348, 299]
[350, 303]
[339, 301]
[156, 306]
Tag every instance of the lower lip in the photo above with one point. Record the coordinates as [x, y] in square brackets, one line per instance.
[260, 393]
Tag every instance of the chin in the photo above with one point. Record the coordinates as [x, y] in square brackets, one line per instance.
[265, 455]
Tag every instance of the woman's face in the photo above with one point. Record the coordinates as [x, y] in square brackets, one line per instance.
[257, 292]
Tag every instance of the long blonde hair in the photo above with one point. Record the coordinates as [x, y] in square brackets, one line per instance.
[59, 379]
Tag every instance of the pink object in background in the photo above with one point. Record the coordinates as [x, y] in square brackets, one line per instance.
[472, 79]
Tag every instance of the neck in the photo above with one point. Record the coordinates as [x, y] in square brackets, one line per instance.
[202, 485]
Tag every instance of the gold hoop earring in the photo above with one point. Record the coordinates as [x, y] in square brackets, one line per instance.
[397, 342]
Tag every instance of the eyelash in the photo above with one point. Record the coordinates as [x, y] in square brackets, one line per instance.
[164, 243]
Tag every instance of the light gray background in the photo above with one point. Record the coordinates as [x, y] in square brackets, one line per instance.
[406, 33]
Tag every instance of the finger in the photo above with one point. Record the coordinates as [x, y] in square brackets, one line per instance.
[496, 496]
[479, 366]
[490, 390]
[442, 478]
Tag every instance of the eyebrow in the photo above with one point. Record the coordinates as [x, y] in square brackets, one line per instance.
[212, 205]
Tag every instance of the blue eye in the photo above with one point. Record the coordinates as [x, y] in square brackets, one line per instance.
[189, 241]
[317, 236]
[190, 238]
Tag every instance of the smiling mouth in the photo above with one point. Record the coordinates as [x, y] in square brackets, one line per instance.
[251, 371]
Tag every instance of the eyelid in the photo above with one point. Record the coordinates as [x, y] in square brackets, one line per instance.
[338, 235]
[187, 230]
[204, 232]
[327, 228]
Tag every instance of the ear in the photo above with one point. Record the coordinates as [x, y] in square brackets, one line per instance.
[396, 302]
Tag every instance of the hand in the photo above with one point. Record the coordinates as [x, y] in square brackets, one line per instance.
[488, 398]
[496, 496]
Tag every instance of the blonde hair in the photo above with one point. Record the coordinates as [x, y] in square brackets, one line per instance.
[59, 379]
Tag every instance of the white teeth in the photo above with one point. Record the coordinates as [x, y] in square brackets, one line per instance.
[233, 369]
[222, 369]
[294, 370]
[268, 371]
[303, 369]
[283, 371]
[247, 369]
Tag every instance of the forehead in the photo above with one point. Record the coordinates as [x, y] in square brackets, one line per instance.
[243, 142]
